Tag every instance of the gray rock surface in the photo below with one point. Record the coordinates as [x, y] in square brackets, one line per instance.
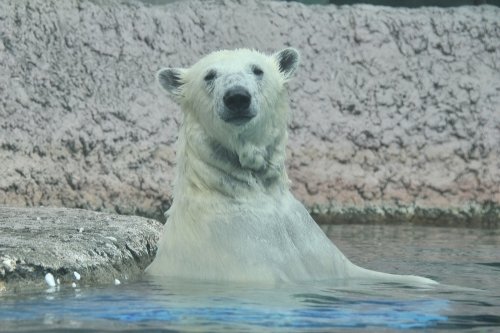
[98, 246]
[390, 106]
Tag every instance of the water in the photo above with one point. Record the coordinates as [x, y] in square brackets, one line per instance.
[465, 261]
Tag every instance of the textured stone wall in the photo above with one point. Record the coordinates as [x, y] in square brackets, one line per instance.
[391, 107]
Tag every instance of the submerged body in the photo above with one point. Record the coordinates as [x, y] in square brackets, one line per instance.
[262, 240]
[233, 217]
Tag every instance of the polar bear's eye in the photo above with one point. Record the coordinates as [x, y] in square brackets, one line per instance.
[210, 76]
[257, 70]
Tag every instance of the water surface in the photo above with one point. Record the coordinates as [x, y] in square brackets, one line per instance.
[468, 258]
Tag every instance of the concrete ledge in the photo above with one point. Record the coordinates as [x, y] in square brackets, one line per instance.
[470, 215]
[100, 247]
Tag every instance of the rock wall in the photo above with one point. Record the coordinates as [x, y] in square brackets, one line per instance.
[391, 107]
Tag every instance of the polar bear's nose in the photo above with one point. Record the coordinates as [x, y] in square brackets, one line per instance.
[237, 100]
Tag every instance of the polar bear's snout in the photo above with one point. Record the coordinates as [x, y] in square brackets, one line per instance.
[237, 101]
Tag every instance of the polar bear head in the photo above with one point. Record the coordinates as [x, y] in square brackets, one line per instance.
[236, 96]
[235, 112]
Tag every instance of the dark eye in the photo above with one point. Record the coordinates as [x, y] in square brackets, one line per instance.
[210, 76]
[257, 71]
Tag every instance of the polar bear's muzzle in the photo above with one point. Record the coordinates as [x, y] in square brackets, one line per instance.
[237, 106]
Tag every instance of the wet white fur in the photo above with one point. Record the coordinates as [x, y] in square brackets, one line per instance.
[233, 217]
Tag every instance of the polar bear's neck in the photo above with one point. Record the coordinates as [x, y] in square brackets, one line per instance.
[205, 165]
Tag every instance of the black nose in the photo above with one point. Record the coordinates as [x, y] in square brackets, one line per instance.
[237, 99]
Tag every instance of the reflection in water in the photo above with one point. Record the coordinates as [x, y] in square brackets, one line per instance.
[177, 305]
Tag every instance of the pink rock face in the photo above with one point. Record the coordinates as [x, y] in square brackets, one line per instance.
[390, 106]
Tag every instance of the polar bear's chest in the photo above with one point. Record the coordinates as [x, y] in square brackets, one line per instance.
[266, 239]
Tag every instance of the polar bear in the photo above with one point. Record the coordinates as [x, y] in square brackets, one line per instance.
[233, 217]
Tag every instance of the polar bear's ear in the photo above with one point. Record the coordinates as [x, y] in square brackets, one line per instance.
[171, 79]
[288, 61]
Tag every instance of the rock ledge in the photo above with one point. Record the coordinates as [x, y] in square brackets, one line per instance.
[99, 246]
